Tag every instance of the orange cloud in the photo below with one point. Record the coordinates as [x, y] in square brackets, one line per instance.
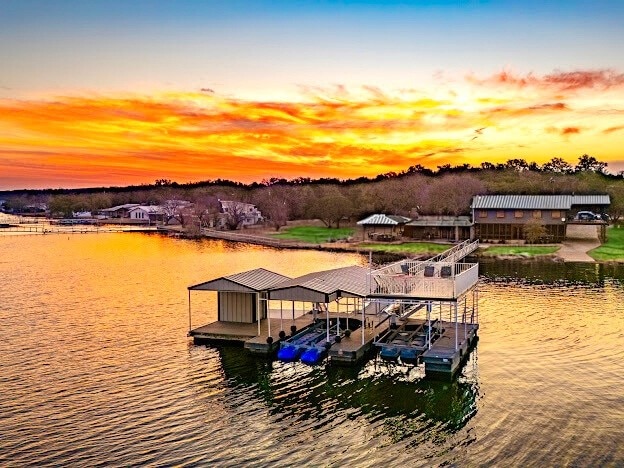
[323, 132]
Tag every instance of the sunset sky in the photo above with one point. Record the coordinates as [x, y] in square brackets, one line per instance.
[118, 92]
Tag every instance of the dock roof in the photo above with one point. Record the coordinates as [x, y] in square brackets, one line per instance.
[383, 219]
[256, 280]
[324, 286]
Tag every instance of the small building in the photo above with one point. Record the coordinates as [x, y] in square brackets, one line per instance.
[449, 228]
[242, 297]
[504, 217]
[383, 227]
[148, 214]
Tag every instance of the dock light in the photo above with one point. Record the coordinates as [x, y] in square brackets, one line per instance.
[338, 339]
[293, 329]
[269, 340]
[282, 334]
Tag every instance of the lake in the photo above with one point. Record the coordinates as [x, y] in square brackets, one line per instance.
[97, 369]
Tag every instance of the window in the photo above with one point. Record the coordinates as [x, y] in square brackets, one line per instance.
[555, 214]
[537, 213]
[500, 214]
[519, 214]
[483, 214]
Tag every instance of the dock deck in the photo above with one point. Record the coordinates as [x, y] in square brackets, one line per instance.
[348, 351]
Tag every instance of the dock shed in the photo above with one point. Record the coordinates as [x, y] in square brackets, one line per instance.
[242, 296]
[450, 228]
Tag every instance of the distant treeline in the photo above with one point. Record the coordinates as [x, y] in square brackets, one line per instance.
[447, 190]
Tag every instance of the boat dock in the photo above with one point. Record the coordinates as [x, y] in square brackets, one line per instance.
[343, 313]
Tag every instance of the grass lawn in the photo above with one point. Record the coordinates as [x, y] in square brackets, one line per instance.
[408, 247]
[313, 234]
[613, 249]
[520, 250]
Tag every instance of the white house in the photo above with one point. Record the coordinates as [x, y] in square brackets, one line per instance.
[247, 212]
[147, 213]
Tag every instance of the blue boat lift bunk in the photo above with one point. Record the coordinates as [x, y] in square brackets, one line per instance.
[435, 320]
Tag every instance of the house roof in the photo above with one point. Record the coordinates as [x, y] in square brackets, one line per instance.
[591, 200]
[441, 221]
[383, 219]
[152, 209]
[349, 281]
[121, 207]
[256, 280]
[536, 202]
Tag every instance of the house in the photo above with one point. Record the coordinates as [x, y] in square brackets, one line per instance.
[245, 213]
[450, 228]
[383, 227]
[147, 213]
[504, 217]
[119, 211]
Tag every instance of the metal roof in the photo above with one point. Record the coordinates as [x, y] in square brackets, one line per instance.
[591, 200]
[346, 281]
[522, 202]
[380, 219]
[536, 202]
[252, 280]
[441, 221]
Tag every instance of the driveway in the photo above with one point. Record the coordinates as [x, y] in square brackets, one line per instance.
[580, 240]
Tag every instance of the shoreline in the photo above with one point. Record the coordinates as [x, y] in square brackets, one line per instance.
[570, 251]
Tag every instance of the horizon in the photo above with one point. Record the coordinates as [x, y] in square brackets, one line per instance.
[116, 94]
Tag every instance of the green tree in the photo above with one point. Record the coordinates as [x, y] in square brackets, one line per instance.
[534, 231]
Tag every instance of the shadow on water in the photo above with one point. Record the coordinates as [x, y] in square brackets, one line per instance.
[399, 397]
[537, 272]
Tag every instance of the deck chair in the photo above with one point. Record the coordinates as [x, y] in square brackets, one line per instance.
[446, 272]
[405, 268]
[429, 270]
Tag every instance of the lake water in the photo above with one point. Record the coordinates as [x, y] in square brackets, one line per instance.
[96, 368]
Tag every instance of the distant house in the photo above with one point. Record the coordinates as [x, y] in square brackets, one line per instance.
[503, 217]
[450, 228]
[383, 227]
[246, 213]
[119, 211]
[147, 213]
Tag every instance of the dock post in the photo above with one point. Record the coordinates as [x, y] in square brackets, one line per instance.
[455, 325]
[189, 302]
[258, 311]
[363, 318]
[268, 315]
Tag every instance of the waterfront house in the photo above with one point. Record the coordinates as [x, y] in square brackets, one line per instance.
[147, 214]
[504, 217]
[383, 227]
[239, 213]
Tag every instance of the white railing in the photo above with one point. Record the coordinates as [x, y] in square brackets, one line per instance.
[443, 280]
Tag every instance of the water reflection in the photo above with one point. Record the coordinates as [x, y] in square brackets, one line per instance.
[407, 405]
[550, 272]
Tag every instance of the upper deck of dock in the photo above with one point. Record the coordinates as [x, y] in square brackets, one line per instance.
[441, 277]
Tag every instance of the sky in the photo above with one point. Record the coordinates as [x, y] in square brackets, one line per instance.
[112, 93]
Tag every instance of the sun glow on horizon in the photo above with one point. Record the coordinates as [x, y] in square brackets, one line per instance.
[89, 140]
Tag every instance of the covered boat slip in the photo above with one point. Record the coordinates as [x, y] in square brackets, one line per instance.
[356, 305]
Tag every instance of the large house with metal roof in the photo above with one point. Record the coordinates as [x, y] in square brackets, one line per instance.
[504, 217]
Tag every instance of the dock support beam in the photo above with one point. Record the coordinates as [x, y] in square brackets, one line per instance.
[456, 324]
[189, 300]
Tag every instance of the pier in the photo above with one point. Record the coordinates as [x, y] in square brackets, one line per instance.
[431, 305]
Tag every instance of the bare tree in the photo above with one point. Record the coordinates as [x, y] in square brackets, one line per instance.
[273, 203]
